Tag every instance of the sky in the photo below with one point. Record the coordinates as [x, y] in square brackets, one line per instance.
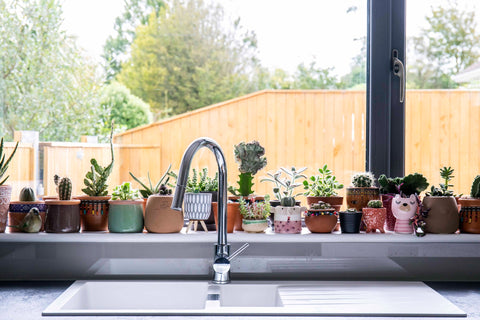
[288, 32]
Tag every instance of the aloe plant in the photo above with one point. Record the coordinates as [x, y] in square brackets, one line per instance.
[159, 188]
[4, 164]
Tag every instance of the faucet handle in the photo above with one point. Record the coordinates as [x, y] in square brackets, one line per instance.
[239, 250]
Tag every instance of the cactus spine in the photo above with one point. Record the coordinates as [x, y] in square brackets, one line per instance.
[475, 192]
[64, 187]
[375, 204]
[363, 180]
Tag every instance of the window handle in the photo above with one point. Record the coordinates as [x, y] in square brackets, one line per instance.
[399, 71]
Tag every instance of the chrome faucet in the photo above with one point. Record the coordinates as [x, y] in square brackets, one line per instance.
[221, 264]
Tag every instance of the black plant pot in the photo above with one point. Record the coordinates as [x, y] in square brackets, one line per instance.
[350, 221]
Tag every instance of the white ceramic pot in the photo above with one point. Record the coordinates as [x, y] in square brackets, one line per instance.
[254, 226]
[288, 219]
[403, 209]
[197, 206]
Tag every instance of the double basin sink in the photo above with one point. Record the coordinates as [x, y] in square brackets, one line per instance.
[287, 298]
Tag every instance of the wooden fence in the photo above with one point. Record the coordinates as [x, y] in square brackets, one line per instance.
[21, 170]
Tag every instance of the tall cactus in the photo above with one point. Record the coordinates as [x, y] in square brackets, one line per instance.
[475, 192]
[64, 186]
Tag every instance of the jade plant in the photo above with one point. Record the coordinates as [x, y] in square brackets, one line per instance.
[323, 185]
[64, 187]
[283, 187]
[27, 194]
[4, 164]
[251, 158]
[125, 192]
[447, 175]
[201, 182]
[255, 210]
[363, 180]
[475, 190]
[375, 204]
[96, 179]
[160, 188]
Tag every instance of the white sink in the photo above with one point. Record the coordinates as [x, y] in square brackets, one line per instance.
[320, 298]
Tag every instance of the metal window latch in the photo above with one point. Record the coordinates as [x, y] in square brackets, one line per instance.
[399, 71]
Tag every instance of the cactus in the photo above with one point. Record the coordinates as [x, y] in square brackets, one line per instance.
[375, 204]
[27, 194]
[475, 191]
[64, 186]
[321, 205]
[4, 164]
[251, 158]
[363, 180]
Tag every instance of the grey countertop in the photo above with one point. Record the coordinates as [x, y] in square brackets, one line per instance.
[22, 300]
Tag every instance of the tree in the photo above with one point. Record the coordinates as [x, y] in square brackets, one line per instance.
[313, 77]
[448, 45]
[116, 48]
[127, 110]
[45, 84]
[186, 58]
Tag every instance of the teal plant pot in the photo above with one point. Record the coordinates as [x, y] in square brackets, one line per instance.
[125, 216]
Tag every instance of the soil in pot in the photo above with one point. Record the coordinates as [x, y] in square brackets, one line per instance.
[374, 218]
[231, 215]
[442, 217]
[160, 218]
[94, 213]
[469, 215]
[350, 221]
[62, 216]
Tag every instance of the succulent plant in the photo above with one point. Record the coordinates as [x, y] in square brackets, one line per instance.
[413, 183]
[475, 191]
[447, 175]
[201, 182]
[64, 187]
[375, 204]
[363, 180]
[283, 187]
[321, 205]
[251, 159]
[125, 192]
[4, 164]
[160, 188]
[323, 185]
[27, 194]
[255, 210]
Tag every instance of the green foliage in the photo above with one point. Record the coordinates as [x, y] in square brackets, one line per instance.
[202, 182]
[159, 188]
[125, 109]
[321, 205]
[389, 185]
[27, 194]
[449, 44]
[255, 210]
[323, 185]
[447, 175]
[375, 204]
[45, 83]
[4, 164]
[96, 179]
[284, 186]
[363, 180]
[475, 191]
[125, 192]
[64, 187]
[251, 159]
[313, 77]
[185, 58]
[411, 184]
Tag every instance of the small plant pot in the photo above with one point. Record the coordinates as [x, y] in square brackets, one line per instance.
[442, 217]
[160, 218]
[358, 198]
[288, 219]
[5, 195]
[404, 209]
[374, 218]
[232, 207]
[125, 216]
[273, 204]
[62, 216]
[350, 221]
[390, 218]
[19, 209]
[321, 220]
[197, 206]
[469, 215]
[254, 226]
[94, 213]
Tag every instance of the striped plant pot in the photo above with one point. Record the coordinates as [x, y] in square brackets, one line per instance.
[197, 206]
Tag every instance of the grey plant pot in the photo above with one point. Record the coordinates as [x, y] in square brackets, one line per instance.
[197, 206]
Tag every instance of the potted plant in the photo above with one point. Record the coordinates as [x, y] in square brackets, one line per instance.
[254, 215]
[321, 217]
[404, 210]
[19, 209]
[126, 210]
[5, 190]
[94, 205]
[157, 200]
[470, 209]
[350, 220]
[439, 206]
[362, 190]
[202, 183]
[323, 187]
[374, 216]
[63, 214]
[288, 216]
[197, 206]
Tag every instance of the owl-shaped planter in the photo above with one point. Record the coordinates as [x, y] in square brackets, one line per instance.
[403, 209]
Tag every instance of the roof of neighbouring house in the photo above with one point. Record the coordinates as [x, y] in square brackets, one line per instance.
[471, 73]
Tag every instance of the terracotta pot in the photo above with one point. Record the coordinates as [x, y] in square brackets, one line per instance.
[254, 226]
[232, 207]
[357, 198]
[5, 195]
[62, 216]
[374, 218]
[469, 215]
[321, 221]
[160, 218]
[19, 209]
[288, 219]
[390, 218]
[350, 221]
[125, 216]
[335, 202]
[50, 198]
[442, 215]
[94, 213]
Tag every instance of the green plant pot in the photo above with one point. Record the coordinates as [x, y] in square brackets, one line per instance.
[125, 216]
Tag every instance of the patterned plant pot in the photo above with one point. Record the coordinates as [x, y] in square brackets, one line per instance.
[321, 220]
[232, 207]
[374, 218]
[288, 219]
[160, 218]
[197, 206]
[357, 198]
[125, 216]
[469, 215]
[442, 215]
[350, 221]
[94, 213]
[5, 195]
[19, 209]
[403, 209]
[273, 204]
[63, 216]
[390, 218]
[254, 226]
